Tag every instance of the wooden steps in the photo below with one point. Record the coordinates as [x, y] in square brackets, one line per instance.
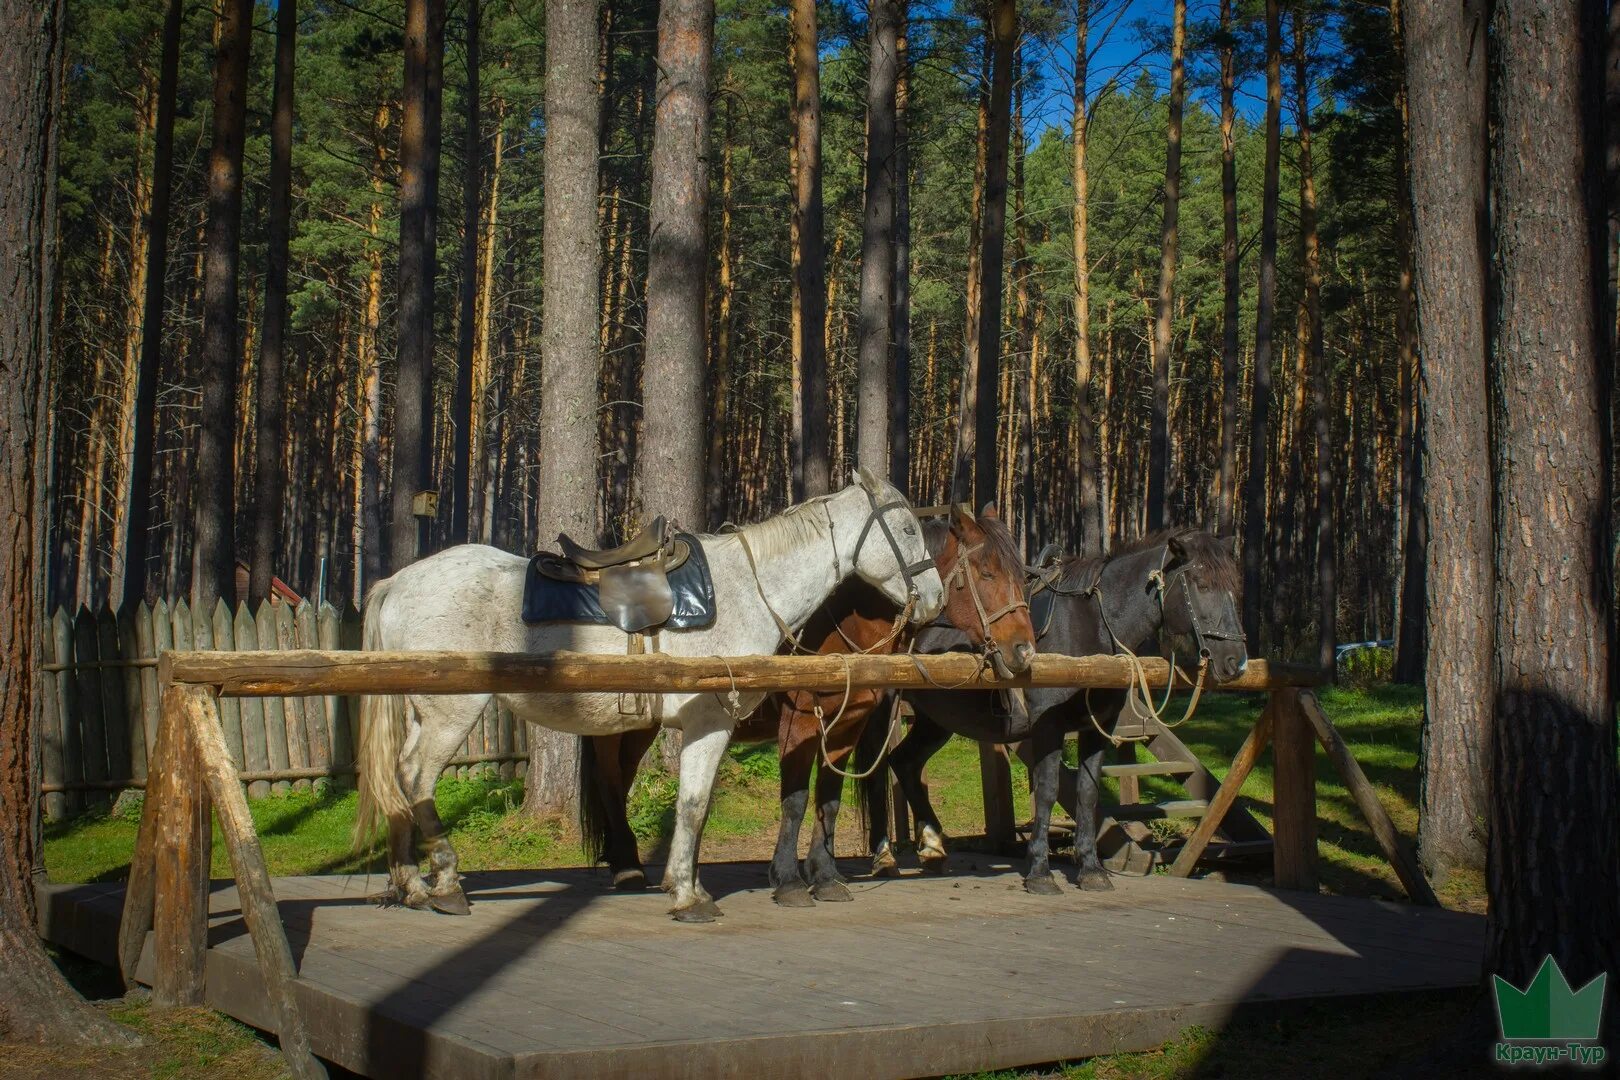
[1152, 768]
[1157, 811]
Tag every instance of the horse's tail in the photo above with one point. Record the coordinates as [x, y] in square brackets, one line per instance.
[593, 810]
[382, 733]
[871, 800]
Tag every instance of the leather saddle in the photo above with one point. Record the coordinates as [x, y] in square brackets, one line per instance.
[657, 579]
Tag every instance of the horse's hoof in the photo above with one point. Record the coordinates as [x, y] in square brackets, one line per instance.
[632, 880]
[453, 902]
[1042, 884]
[794, 894]
[932, 862]
[883, 864]
[831, 892]
[1095, 881]
[698, 911]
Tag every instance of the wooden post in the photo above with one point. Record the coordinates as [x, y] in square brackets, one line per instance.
[1293, 747]
[1225, 796]
[182, 845]
[995, 778]
[1393, 843]
[253, 889]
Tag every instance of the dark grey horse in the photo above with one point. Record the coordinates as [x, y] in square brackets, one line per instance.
[1179, 586]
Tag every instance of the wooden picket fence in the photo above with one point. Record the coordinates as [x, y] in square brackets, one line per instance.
[100, 711]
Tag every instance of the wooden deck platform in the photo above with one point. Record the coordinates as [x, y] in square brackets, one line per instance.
[555, 975]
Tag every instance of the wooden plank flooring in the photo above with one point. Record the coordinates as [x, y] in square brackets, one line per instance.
[556, 975]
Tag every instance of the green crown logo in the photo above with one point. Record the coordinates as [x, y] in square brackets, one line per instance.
[1548, 1008]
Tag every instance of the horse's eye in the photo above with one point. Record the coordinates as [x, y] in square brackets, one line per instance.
[911, 530]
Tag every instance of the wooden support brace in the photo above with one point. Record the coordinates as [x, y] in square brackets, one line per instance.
[1225, 796]
[1392, 842]
[1293, 749]
[139, 892]
[182, 847]
[253, 888]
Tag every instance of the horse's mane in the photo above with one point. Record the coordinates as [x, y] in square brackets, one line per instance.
[788, 531]
[1217, 564]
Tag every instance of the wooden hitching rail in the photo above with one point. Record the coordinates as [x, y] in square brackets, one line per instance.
[191, 768]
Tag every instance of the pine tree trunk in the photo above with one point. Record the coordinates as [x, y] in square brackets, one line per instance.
[1163, 324]
[968, 395]
[213, 561]
[1327, 589]
[1410, 630]
[418, 265]
[877, 242]
[1090, 541]
[716, 484]
[1232, 287]
[571, 364]
[1446, 81]
[1254, 521]
[900, 413]
[269, 489]
[670, 460]
[1554, 812]
[37, 1005]
[464, 406]
[1005, 31]
[810, 281]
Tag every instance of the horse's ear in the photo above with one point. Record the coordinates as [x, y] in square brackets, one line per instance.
[989, 510]
[1177, 548]
[964, 510]
[864, 477]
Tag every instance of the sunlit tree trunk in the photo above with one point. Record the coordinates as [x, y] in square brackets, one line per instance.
[877, 241]
[418, 266]
[1231, 286]
[37, 1006]
[1169, 234]
[213, 563]
[1554, 813]
[465, 405]
[670, 459]
[1446, 80]
[1004, 27]
[269, 488]
[1090, 540]
[900, 413]
[571, 363]
[1254, 523]
[1327, 589]
[810, 280]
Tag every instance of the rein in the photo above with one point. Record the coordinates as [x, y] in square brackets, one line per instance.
[1138, 694]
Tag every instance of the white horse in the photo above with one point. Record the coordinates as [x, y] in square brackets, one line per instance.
[470, 598]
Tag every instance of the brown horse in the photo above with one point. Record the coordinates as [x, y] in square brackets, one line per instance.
[984, 599]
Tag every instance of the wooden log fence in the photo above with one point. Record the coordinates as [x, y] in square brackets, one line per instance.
[99, 723]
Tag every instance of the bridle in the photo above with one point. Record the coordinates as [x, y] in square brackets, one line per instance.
[962, 575]
[1138, 694]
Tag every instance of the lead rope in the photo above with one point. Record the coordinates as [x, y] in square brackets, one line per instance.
[827, 726]
[1138, 694]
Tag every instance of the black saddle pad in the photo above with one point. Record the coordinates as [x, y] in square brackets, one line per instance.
[548, 600]
[1040, 610]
